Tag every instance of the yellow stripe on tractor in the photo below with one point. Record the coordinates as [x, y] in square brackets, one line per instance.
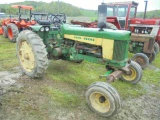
[107, 47]
[106, 44]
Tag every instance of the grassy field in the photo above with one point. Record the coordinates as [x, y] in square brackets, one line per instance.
[7, 54]
[63, 87]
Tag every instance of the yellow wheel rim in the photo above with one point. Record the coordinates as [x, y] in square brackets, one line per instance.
[100, 102]
[26, 56]
[131, 76]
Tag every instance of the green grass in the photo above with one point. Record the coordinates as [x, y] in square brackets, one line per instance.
[63, 98]
[86, 73]
[127, 90]
[8, 58]
[80, 74]
[151, 77]
[157, 61]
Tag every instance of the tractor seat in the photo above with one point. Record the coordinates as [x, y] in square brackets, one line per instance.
[44, 22]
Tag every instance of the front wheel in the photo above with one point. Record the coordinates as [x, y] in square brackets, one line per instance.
[111, 26]
[103, 99]
[31, 53]
[141, 59]
[134, 75]
[151, 56]
[156, 47]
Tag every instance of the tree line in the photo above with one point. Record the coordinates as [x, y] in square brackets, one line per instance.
[43, 7]
[150, 14]
[68, 9]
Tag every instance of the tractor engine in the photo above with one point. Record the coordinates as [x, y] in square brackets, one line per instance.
[90, 50]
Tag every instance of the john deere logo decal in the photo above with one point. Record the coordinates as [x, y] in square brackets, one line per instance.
[83, 38]
[77, 37]
[90, 39]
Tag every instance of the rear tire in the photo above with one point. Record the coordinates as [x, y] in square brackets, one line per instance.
[32, 54]
[103, 99]
[111, 26]
[4, 31]
[156, 47]
[141, 59]
[135, 74]
[13, 31]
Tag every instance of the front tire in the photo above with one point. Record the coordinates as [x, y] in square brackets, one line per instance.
[13, 31]
[135, 74]
[103, 99]
[141, 59]
[156, 47]
[151, 57]
[32, 54]
[110, 26]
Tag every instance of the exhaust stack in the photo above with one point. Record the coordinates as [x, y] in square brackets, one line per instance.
[146, 2]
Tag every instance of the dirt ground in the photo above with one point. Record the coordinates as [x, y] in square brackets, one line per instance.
[146, 107]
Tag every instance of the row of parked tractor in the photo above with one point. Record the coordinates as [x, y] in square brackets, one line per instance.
[106, 41]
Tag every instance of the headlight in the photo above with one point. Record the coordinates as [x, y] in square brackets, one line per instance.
[46, 28]
[42, 29]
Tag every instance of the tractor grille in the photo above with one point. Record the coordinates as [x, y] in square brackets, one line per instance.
[120, 50]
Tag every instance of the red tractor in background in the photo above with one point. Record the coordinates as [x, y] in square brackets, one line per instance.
[122, 16]
[12, 26]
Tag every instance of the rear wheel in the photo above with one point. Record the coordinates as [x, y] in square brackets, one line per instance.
[13, 31]
[141, 59]
[4, 31]
[111, 26]
[31, 53]
[103, 99]
[134, 75]
[156, 47]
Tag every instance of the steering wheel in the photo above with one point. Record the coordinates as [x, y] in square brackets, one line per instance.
[58, 19]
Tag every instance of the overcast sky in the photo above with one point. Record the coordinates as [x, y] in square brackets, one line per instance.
[93, 4]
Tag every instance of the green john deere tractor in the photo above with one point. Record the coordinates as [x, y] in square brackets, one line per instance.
[74, 43]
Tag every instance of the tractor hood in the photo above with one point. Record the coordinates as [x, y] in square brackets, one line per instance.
[94, 32]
